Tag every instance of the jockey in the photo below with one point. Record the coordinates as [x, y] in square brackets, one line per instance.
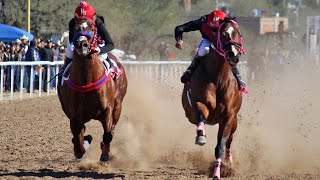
[86, 10]
[208, 26]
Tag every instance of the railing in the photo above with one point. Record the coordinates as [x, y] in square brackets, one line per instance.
[158, 71]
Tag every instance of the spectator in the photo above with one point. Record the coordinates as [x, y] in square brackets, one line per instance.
[163, 49]
[7, 69]
[18, 57]
[17, 42]
[1, 52]
[61, 53]
[24, 43]
[31, 55]
[46, 54]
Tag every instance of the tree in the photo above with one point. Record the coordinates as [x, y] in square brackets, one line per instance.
[137, 25]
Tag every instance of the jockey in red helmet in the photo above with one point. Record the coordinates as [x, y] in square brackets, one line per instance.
[208, 26]
[86, 10]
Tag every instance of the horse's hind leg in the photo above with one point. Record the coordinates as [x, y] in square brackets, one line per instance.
[117, 110]
[107, 123]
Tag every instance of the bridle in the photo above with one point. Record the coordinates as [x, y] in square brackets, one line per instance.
[92, 39]
[225, 48]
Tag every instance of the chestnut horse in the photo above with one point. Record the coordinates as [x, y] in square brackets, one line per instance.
[90, 92]
[213, 96]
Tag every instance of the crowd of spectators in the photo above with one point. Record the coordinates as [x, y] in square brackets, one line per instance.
[24, 50]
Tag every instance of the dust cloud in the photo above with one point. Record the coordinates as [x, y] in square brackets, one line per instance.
[277, 132]
[277, 136]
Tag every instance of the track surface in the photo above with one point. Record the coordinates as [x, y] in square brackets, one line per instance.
[277, 137]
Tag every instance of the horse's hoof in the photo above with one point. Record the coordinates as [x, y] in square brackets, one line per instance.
[105, 158]
[216, 178]
[78, 155]
[201, 140]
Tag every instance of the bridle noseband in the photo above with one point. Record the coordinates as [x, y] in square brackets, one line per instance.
[93, 39]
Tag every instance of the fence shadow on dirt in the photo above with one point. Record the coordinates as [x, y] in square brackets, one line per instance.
[62, 174]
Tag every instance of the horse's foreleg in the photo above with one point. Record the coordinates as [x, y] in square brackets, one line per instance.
[108, 127]
[202, 115]
[224, 132]
[79, 147]
[228, 155]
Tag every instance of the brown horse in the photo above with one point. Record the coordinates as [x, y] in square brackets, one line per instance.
[90, 92]
[213, 97]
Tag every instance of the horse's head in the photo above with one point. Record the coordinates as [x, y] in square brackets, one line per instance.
[229, 41]
[84, 40]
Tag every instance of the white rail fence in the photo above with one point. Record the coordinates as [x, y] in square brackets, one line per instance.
[15, 76]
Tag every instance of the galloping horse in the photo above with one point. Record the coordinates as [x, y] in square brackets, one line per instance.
[213, 96]
[90, 92]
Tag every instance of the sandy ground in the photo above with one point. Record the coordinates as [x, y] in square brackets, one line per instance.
[276, 137]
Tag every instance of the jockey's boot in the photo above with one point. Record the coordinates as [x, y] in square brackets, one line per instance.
[242, 85]
[186, 77]
[112, 66]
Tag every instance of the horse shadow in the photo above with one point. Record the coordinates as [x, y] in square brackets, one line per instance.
[62, 174]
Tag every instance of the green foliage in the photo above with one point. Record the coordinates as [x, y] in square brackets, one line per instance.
[137, 25]
[47, 17]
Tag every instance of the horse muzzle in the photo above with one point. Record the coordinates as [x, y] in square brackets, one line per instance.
[82, 45]
[233, 60]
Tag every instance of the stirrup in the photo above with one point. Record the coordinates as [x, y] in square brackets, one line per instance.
[242, 83]
[243, 89]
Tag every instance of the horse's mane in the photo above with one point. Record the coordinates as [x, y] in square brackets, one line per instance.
[230, 18]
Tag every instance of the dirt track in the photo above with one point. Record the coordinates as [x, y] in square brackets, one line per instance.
[277, 137]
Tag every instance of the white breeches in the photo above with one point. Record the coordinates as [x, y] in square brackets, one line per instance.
[204, 47]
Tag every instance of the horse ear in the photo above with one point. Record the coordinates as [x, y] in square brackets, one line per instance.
[232, 18]
[227, 19]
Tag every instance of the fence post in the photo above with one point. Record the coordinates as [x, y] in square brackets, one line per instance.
[48, 78]
[11, 81]
[31, 81]
[21, 81]
[40, 80]
[57, 71]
